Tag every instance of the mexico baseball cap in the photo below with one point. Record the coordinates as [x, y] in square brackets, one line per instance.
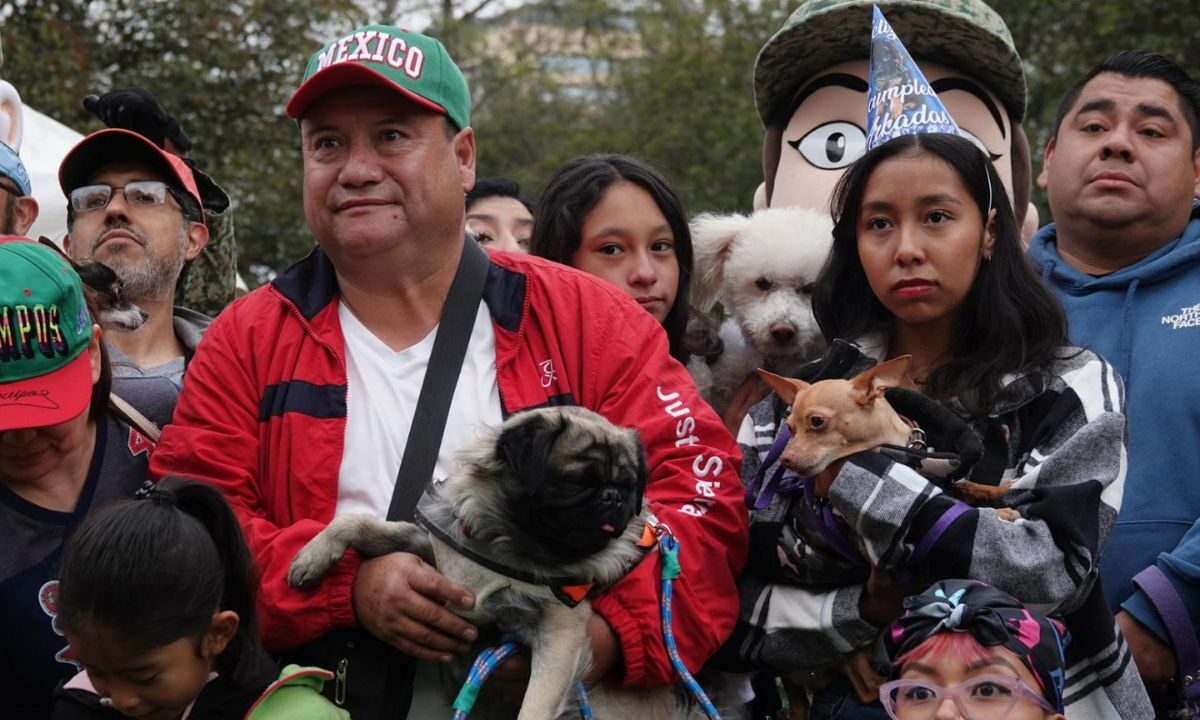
[45, 330]
[117, 145]
[414, 65]
[964, 34]
[12, 168]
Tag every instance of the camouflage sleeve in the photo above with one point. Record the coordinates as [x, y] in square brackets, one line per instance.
[207, 284]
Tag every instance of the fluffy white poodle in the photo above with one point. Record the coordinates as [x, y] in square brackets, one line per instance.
[761, 269]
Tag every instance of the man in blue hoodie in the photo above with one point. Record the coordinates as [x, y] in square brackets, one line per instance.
[1122, 174]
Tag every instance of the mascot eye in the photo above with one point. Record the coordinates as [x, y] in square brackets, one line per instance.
[978, 143]
[763, 284]
[816, 422]
[832, 145]
[805, 289]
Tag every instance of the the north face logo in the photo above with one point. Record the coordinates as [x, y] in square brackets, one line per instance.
[1186, 318]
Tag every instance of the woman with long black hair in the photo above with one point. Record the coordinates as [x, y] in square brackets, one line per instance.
[927, 262]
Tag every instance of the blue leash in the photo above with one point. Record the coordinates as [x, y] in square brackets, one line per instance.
[490, 658]
[669, 549]
[482, 669]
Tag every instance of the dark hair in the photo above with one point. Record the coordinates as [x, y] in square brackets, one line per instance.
[1009, 320]
[152, 571]
[190, 208]
[576, 189]
[1142, 64]
[10, 214]
[102, 388]
[497, 187]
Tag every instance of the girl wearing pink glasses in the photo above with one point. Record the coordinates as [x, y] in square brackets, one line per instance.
[965, 650]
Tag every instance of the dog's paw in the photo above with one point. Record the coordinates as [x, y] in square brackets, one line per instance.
[978, 495]
[311, 564]
[1008, 514]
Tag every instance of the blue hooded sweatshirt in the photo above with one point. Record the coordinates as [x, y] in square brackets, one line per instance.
[1145, 320]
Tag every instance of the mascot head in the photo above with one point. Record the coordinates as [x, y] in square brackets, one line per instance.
[810, 87]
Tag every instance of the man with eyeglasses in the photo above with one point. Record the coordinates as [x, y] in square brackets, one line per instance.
[18, 208]
[136, 208]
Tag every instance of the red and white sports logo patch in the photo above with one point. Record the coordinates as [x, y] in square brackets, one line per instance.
[139, 443]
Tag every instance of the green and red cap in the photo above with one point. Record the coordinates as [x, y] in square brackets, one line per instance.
[414, 65]
[45, 330]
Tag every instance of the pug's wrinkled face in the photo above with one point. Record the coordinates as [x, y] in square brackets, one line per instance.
[575, 481]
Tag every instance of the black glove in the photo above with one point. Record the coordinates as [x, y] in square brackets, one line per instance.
[136, 109]
[951, 447]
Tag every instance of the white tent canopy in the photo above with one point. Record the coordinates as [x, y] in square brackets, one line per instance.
[45, 143]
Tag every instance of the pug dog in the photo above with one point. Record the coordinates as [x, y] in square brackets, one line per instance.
[544, 512]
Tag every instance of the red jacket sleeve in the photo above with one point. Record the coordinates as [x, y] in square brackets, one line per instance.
[215, 437]
[694, 487]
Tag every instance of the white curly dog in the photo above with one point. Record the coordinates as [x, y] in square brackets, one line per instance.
[761, 269]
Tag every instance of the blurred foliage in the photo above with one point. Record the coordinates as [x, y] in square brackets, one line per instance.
[1060, 40]
[225, 70]
[668, 80]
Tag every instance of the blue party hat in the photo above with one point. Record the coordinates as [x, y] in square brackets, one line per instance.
[900, 101]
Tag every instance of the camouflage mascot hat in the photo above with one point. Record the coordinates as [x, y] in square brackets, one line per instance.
[964, 34]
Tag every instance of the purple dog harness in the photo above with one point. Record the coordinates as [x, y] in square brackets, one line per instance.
[817, 513]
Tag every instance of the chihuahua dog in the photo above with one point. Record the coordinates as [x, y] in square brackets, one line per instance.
[833, 419]
[105, 292]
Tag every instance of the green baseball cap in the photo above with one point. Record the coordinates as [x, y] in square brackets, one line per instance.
[414, 65]
[964, 34]
[45, 330]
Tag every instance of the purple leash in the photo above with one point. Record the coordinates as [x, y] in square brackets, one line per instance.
[1179, 626]
[761, 491]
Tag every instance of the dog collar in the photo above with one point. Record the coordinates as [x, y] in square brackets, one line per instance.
[916, 436]
[438, 517]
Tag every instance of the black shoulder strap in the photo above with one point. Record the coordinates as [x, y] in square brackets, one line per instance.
[441, 377]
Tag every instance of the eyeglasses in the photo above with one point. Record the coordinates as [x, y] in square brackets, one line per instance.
[143, 193]
[986, 697]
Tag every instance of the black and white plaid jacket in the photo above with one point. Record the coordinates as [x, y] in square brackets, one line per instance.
[1060, 437]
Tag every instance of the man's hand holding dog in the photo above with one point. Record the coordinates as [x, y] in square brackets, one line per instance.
[401, 600]
[1155, 659]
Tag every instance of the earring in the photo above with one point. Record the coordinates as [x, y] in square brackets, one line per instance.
[987, 255]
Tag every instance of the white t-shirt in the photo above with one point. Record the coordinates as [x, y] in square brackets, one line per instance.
[383, 389]
[382, 396]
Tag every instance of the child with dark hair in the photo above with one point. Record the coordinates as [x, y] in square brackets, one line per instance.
[618, 218]
[156, 598]
[966, 643]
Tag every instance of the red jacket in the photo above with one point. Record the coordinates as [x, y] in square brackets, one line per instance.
[263, 416]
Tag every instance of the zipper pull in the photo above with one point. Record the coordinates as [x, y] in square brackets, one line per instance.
[339, 682]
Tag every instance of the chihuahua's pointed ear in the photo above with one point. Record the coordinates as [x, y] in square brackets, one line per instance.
[786, 388]
[871, 383]
[712, 240]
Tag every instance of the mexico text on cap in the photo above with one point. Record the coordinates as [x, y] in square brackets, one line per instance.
[414, 65]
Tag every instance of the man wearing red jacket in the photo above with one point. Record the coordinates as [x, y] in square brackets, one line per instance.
[300, 399]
